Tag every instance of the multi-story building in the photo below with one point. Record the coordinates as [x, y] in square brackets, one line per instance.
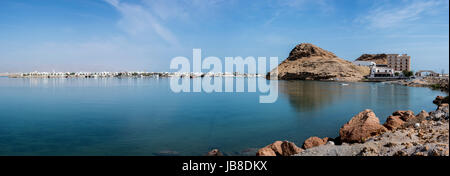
[399, 62]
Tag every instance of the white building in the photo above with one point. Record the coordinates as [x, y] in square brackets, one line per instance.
[364, 63]
[381, 72]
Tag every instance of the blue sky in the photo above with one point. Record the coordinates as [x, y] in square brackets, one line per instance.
[144, 35]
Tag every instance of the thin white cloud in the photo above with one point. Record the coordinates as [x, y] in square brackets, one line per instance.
[387, 16]
[282, 7]
[137, 20]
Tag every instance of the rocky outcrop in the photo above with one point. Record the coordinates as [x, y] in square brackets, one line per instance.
[402, 119]
[289, 149]
[279, 148]
[377, 58]
[393, 122]
[441, 113]
[425, 134]
[309, 62]
[214, 152]
[314, 142]
[440, 100]
[404, 115]
[360, 127]
[440, 83]
[428, 137]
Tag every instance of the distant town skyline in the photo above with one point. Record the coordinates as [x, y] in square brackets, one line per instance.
[144, 35]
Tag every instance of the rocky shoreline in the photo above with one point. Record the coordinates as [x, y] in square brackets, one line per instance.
[440, 83]
[403, 134]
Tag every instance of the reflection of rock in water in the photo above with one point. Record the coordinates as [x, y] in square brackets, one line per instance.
[247, 152]
[310, 95]
[167, 153]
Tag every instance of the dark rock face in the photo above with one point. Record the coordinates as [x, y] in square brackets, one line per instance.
[377, 58]
[440, 100]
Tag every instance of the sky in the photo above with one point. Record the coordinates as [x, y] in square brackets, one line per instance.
[144, 35]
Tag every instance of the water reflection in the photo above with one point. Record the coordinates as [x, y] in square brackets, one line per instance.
[307, 96]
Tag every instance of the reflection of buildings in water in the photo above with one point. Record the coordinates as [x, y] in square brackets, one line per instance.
[81, 82]
[389, 95]
[310, 95]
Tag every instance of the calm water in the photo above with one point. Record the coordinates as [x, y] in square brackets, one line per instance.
[143, 116]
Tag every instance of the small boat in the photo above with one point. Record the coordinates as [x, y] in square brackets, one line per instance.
[344, 84]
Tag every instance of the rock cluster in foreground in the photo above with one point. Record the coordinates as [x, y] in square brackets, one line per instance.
[403, 134]
[309, 62]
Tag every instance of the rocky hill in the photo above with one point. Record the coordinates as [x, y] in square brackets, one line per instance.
[309, 62]
[377, 58]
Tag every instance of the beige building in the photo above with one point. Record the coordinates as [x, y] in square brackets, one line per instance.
[399, 62]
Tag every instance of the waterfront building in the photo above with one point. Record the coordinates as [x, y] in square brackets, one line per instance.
[379, 71]
[399, 62]
[364, 63]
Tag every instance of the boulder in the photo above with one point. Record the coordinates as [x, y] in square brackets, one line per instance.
[290, 149]
[276, 147]
[422, 115]
[440, 100]
[360, 127]
[279, 148]
[393, 122]
[404, 115]
[314, 142]
[266, 151]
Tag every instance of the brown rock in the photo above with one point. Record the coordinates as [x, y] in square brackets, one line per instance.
[290, 148]
[393, 122]
[401, 153]
[314, 142]
[423, 115]
[363, 125]
[214, 152]
[419, 154]
[415, 119]
[276, 147]
[309, 62]
[443, 106]
[369, 151]
[377, 58]
[440, 100]
[435, 153]
[404, 115]
[279, 148]
[266, 151]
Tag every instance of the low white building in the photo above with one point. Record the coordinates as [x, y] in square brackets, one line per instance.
[364, 63]
[381, 72]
